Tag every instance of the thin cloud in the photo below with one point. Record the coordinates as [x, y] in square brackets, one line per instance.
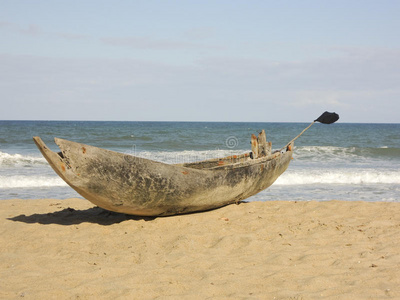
[31, 29]
[199, 33]
[316, 97]
[153, 44]
[70, 36]
[34, 30]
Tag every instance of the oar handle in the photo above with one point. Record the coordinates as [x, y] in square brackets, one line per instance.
[297, 136]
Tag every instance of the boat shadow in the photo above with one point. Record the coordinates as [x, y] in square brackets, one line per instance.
[70, 216]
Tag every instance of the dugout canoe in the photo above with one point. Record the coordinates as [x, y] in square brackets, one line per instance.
[133, 185]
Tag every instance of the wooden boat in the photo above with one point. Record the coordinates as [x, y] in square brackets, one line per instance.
[133, 185]
[128, 184]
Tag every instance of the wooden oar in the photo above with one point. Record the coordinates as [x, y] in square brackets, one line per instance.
[325, 118]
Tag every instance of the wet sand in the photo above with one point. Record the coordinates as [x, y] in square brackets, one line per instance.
[69, 249]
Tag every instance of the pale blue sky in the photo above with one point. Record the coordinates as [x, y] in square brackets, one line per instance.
[261, 61]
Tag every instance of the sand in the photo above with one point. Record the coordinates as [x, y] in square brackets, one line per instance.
[69, 249]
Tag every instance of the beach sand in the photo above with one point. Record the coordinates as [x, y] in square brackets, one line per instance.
[69, 249]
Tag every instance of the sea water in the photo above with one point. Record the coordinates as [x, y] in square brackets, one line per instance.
[339, 161]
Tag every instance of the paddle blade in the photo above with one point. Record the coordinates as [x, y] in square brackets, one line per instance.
[327, 118]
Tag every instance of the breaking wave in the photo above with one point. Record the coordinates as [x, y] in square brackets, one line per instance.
[23, 181]
[347, 177]
[10, 160]
[331, 153]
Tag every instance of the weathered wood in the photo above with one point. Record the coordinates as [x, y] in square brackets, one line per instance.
[264, 147]
[132, 185]
[254, 146]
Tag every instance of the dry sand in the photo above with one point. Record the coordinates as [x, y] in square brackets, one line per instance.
[68, 249]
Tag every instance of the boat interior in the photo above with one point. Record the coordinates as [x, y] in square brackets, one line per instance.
[260, 150]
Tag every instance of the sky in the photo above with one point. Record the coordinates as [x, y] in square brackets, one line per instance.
[228, 60]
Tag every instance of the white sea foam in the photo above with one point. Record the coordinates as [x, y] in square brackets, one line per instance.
[353, 154]
[337, 176]
[23, 181]
[326, 153]
[7, 159]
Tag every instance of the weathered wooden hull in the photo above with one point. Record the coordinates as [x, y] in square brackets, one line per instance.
[132, 185]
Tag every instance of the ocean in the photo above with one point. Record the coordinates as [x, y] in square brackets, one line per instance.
[342, 161]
